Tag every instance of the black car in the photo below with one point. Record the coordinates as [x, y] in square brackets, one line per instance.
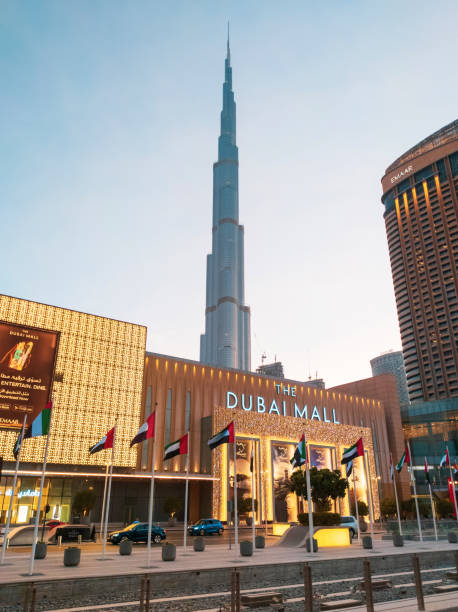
[137, 532]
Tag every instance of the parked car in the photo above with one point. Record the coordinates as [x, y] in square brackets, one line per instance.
[137, 532]
[351, 523]
[206, 527]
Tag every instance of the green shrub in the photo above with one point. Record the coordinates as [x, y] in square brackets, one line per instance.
[388, 507]
[444, 508]
[320, 519]
[424, 508]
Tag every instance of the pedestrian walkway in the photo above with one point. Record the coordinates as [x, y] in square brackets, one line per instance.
[216, 556]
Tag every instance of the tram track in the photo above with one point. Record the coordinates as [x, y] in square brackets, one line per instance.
[325, 588]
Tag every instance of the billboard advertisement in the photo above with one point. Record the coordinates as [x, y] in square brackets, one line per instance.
[27, 359]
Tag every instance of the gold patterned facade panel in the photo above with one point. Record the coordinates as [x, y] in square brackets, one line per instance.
[99, 376]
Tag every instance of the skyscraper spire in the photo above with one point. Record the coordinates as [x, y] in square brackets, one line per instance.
[226, 341]
[228, 47]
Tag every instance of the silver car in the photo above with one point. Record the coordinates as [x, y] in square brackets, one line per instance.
[351, 523]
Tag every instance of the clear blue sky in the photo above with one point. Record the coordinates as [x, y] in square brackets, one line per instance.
[109, 116]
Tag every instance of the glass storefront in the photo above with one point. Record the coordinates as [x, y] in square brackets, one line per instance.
[57, 493]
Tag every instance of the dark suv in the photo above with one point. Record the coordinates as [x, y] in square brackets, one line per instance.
[206, 527]
[137, 532]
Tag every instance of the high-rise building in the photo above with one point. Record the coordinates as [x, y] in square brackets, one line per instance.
[226, 341]
[392, 362]
[420, 195]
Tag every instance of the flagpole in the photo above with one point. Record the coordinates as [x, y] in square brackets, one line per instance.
[10, 506]
[452, 478]
[302, 493]
[431, 500]
[396, 495]
[356, 505]
[309, 495]
[253, 526]
[40, 495]
[151, 497]
[107, 508]
[369, 498]
[228, 491]
[412, 478]
[236, 526]
[107, 463]
[186, 495]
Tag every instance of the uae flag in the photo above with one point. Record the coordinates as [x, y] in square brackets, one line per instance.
[427, 472]
[146, 431]
[226, 436]
[404, 459]
[105, 442]
[300, 454]
[445, 459]
[391, 467]
[180, 447]
[349, 468]
[357, 450]
[39, 427]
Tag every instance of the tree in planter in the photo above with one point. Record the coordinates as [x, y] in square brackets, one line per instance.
[244, 505]
[388, 507]
[363, 509]
[326, 485]
[84, 502]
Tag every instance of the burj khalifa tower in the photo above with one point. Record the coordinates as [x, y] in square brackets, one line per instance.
[226, 341]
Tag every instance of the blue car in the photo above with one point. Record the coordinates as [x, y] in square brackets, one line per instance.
[137, 532]
[206, 527]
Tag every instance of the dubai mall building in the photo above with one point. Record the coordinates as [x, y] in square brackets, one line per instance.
[98, 373]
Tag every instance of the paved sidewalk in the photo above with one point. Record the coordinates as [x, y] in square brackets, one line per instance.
[52, 568]
[443, 601]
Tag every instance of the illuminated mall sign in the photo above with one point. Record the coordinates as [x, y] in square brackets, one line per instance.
[281, 407]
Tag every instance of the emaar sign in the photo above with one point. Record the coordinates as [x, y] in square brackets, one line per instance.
[258, 404]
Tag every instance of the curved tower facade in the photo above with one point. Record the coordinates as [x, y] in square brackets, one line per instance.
[226, 341]
[420, 194]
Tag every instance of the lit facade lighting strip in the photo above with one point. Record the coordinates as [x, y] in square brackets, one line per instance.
[102, 475]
